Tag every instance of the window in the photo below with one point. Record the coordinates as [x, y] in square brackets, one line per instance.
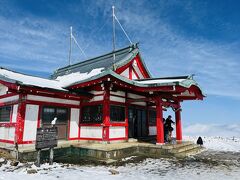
[117, 113]
[152, 118]
[49, 113]
[5, 113]
[92, 114]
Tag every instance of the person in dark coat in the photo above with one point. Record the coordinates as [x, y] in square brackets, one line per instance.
[200, 141]
[165, 129]
[168, 126]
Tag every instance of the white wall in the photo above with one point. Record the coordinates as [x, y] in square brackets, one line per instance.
[97, 98]
[14, 113]
[2, 132]
[10, 98]
[90, 132]
[3, 89]
[30, 123]
[152, 130]
[7, 133]
[136, 96]
[50, 99]
[138, 72]
[117, 99]
[118, 93]
[74, 123]
[125, 73]
[96, 92]
[117, 132]
[134, 76]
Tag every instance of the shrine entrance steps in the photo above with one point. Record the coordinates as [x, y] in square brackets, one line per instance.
[105, 153]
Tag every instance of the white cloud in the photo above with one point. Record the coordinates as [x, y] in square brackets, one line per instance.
[222, 130]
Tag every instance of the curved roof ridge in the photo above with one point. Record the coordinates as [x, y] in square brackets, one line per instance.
[105, 61]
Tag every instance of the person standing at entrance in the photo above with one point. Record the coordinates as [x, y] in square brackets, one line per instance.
[168, 125]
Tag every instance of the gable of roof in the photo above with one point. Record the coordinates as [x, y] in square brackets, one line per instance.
[122, 57]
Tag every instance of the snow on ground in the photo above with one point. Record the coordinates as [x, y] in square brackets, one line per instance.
[211, 165]
[218, 143]
[218, 137]
[147, 169]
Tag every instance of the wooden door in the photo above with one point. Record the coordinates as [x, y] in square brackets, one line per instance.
[62, 115]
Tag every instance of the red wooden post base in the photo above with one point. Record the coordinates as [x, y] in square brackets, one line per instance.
[159, 121]
[178, 124]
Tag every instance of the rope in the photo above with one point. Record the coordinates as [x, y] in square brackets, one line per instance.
[123, 29]
[78, 46]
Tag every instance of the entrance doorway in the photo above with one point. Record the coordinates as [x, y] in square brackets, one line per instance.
[62, 115]
[137, 123]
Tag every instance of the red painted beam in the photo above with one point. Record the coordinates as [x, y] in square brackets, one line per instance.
[9, 85]
[48, 93]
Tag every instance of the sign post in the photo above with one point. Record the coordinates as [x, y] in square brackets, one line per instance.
[46, 138]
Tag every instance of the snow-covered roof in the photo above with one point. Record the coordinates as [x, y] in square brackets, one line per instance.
[16, 77]
[122, 57]
[64, 82]
[58, 84]
[67, 80]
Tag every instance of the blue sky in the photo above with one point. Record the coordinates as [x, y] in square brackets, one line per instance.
[176, 38]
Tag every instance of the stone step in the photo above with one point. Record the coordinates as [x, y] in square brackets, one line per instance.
[174, 146]
[183, 148]
[189, 152]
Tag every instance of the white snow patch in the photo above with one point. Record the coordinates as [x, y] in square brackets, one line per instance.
[218, 143]
[69, 79]
[59, 83]
[31, 80]
[218, 137]
[148, 169]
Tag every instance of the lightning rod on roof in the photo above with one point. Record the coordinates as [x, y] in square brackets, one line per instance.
[114, 40]
[114, 17]
[70, 48]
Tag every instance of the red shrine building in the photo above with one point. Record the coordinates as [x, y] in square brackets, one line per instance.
[99, 99]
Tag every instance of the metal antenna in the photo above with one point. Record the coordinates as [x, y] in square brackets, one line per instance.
[114, 38]
[70, 47]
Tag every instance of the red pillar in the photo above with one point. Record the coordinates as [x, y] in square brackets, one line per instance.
[178, 123]
[20, 120]
[159, 121]
[106, 112]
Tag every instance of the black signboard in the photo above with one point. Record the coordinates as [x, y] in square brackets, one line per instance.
[46, 138]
